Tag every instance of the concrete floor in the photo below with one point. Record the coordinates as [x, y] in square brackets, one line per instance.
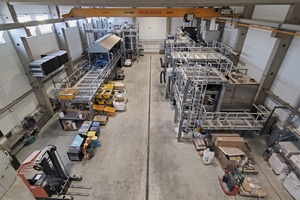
[119, 168]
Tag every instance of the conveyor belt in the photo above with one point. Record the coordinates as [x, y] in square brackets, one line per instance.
[89, 84]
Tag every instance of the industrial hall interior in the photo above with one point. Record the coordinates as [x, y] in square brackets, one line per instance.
[149, 100]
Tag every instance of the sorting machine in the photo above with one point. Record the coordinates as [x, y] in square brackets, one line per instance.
[79, 89]
[208, 90]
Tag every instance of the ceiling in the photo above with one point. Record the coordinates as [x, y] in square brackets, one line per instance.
[152, 3]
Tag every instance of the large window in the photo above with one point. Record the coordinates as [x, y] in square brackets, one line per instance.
[72, 23]
[2, 41]
[27, 18]
[24, 18]
[45, 28]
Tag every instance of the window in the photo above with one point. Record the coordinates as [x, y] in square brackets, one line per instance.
[24, 18]
[32, 30]
[27, 18]
[89, 20]
[45, 28]
[2, 41]
[41, 17]
[72, 23]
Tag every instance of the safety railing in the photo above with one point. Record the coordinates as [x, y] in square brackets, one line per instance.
[234, 120]
[91, 79]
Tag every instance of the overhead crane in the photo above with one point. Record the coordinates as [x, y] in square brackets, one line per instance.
[149, 12]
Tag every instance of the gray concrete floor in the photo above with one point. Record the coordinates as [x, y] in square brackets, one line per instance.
[119, 168]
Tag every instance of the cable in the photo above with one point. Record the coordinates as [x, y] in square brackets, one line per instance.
[162, 77]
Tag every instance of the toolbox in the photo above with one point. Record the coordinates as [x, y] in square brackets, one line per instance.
[75, 151]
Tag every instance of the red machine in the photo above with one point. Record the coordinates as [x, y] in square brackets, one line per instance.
[52, 181]
[231, 182]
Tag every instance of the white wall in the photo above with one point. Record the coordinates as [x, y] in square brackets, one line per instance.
[256, 51]
[287, 84]
[74, 42]
[90, 36]
[270, 12]
[152, 32]
[229, 34]
[176, 22]
[42, 44]
[152, 27]
[213, 24]
[119, 20]
[65, 9]
[13, 83]
[31, 9]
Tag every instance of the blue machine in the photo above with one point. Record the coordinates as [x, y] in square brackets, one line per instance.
[75, 150]
[102, 51]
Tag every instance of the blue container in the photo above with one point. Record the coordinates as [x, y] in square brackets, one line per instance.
[96, 142]
[96, 127]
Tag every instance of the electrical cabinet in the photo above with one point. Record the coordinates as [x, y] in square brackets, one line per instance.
[239, 93]
[7, 174]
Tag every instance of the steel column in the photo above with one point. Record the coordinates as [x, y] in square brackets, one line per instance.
[241, 35]
[277, 56]
[184, 98]
[198, 26]
[207, 24]
[60, 36]
[18, 38]
[82, 23]
[221, 27]
[168, 25]
[37, 83]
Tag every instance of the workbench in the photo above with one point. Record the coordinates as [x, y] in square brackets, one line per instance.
[71, 116]
[13, 143]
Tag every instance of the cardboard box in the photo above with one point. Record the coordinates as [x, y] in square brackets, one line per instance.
[215, 135]
[231, 157]
[230, 142]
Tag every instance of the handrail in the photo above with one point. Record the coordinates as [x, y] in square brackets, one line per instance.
[91, 89]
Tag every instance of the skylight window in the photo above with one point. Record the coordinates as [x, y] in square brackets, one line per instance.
[72, 23]
[45, 28]
[24, 18]
[2, 41]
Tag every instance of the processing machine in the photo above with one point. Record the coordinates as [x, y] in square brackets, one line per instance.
[46, 177]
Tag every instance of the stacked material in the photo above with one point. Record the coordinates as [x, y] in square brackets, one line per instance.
[199, 144]
[291, 183]
[288, 148]
[295, 159]
[251, 188]
[278, 164]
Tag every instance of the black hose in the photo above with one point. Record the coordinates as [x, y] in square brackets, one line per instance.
[161, 63]
[162, 77]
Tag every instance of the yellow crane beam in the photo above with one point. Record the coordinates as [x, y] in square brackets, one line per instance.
[144, 12]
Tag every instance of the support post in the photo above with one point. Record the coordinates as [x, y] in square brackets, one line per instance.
[184, 98]
[168, 25]
[277, 55]
[18, 38]
[60, 36]
[242, 33]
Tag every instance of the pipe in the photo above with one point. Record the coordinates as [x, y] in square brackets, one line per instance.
[282, 102]
[261, 27]
[16, 101]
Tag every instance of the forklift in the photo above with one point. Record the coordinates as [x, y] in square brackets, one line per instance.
[52, 180]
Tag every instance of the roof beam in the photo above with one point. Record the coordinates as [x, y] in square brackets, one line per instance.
[16, 25]
[154, 3]
[143, 12]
